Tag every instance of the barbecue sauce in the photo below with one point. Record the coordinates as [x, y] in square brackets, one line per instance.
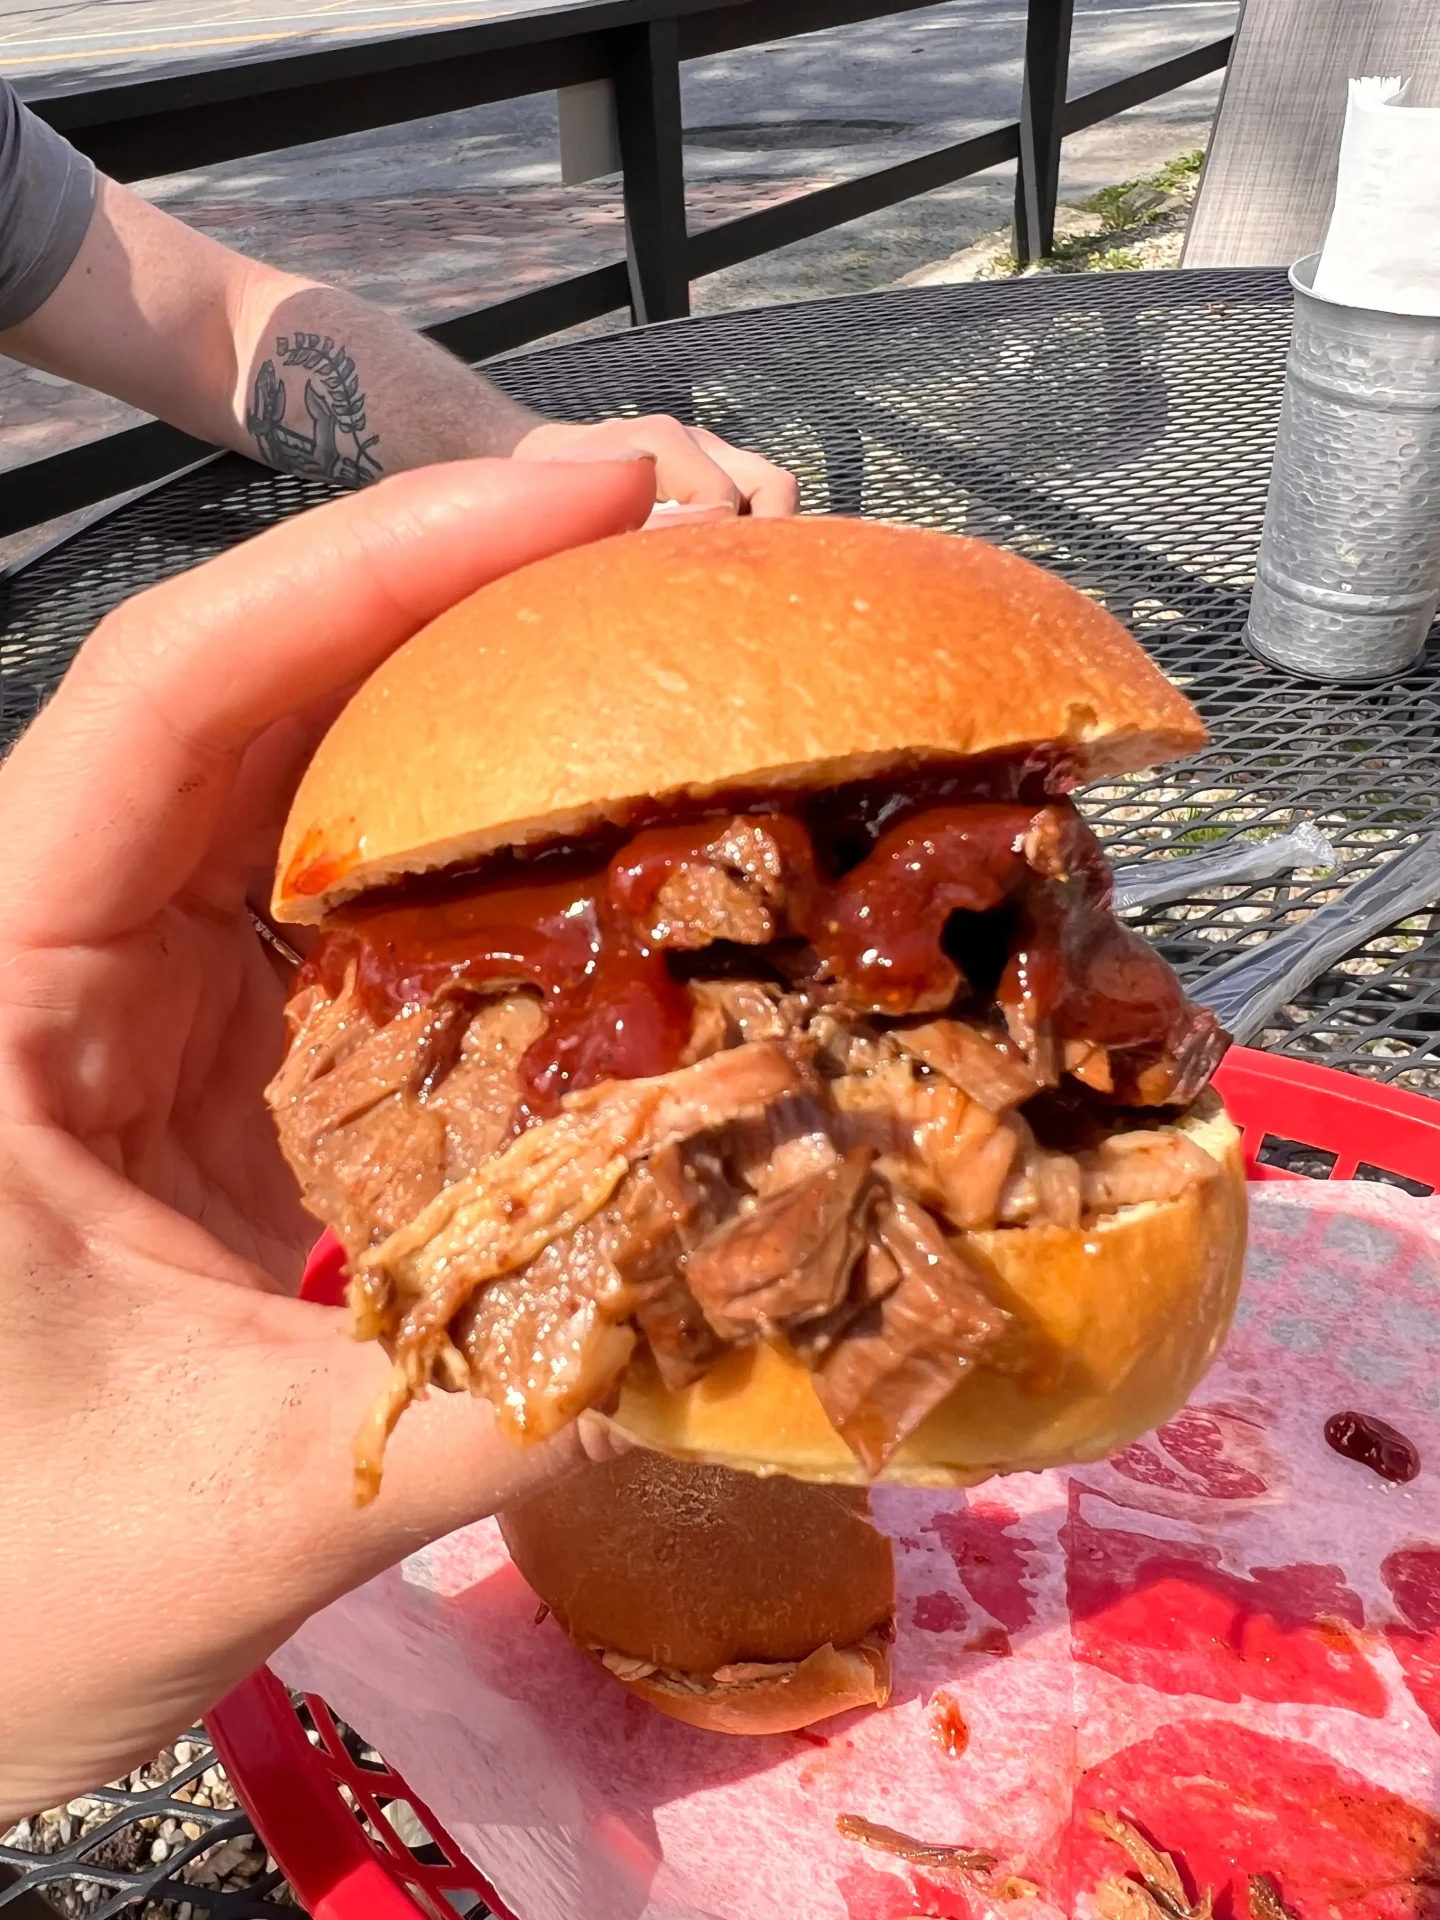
[616, 1010]
[879, 931]
[1375, 1444]
[641, 868]
[948, 1725]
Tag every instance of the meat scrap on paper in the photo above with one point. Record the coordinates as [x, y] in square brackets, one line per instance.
[920, 1853]
[1159, 1893]
[1265, 1901]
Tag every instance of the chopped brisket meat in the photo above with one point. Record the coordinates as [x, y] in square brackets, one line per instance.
[1043, 1189]
[1049, 845]
[1033, 1035]
[1089, 1064]
[1078, 975]
[727, 1012]
[950, 1153]
[768, 854]
[902, 1356]
[664, 1207]
[1178, 1072]
[984, 1065]
[873, 1276]
[791, 1139]
[478, 1098]
[377, 1171]
[709, 1092]
[786, 1259]
[378, 1063]
[325, 1029]
[1059, 1189]
[845, 1044]
[699, 905]
[442, 1035]
[549, 1180]
[688, 895]
[540, 1352]
[1125, 1169]
[682, 1342]
[625, 1262]
[371, 1151]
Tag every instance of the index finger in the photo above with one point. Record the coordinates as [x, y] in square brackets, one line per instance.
[769, 492]
[109, 801]
[685, 470]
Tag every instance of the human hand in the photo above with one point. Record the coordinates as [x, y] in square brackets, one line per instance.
[174, 1427]
[692, 466]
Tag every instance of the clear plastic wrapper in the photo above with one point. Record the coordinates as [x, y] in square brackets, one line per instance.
[1153, 883]
[1247, 991]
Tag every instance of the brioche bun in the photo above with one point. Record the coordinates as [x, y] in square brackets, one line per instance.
[684, 663]
[672, 1574]
[1115, 1323]
[690, 666]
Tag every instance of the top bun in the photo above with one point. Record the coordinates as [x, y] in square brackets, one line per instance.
[687, 662]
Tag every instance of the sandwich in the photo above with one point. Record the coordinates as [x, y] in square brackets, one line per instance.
[717, 1018]
[739, 1603]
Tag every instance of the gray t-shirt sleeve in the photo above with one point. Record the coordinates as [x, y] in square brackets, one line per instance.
[47, 194]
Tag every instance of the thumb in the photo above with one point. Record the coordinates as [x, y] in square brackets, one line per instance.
[447, 1463]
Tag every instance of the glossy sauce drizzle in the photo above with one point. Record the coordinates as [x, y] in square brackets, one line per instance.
[616, 1009]
[1375, 1444]
[948, 1725]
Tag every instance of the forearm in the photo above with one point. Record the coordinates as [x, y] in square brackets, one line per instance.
[306, 377]
[316, 381]
[331, 385]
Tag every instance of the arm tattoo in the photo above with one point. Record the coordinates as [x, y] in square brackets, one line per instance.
[336, 446]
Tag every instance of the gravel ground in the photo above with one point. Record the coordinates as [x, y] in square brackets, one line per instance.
[235, 1863]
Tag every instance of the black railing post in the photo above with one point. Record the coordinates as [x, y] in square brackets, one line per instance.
[1042, 109]
[647, 103]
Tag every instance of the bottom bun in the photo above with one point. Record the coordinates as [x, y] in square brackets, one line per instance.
[832, 1680]
[736, 1603]
[1113, 1325]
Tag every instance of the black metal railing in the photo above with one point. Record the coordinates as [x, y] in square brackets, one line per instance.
[145, 128]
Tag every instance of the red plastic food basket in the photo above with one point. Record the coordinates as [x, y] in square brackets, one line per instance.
[321, 1812]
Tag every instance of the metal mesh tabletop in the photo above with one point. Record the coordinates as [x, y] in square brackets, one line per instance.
[1116, 429]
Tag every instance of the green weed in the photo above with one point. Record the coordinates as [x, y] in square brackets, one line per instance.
[1083, 259]
[1117, 206]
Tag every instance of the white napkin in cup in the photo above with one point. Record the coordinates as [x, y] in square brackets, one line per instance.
[1382, 249]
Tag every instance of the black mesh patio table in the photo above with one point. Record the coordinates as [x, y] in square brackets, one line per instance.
[1115, 428]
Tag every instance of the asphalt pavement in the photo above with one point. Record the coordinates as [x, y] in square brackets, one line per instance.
[85, 41]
